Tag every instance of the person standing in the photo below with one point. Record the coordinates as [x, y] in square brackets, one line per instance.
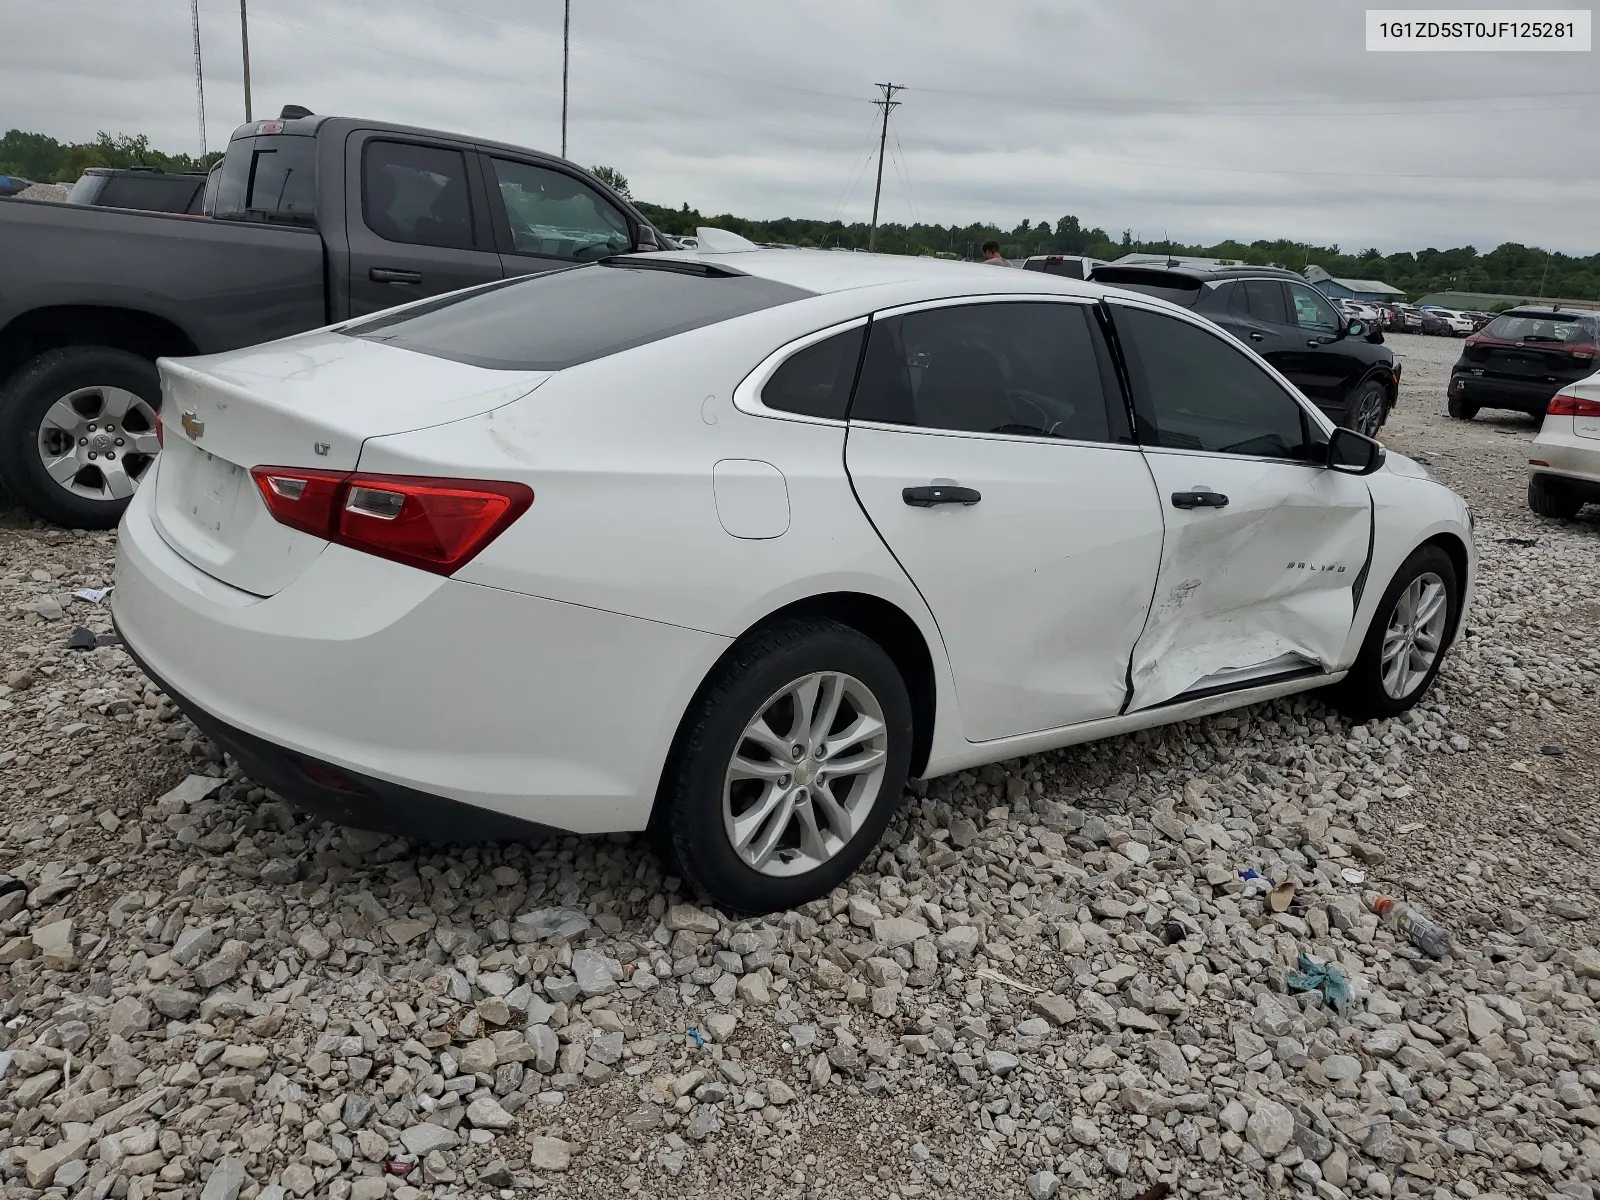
[991, 254]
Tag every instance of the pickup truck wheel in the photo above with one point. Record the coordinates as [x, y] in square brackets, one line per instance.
[78, 433]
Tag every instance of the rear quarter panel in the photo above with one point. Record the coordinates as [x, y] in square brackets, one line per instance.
[620, 454]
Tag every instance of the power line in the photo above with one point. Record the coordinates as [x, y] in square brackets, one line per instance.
[888, 104]
[857, 166]
[905, 170]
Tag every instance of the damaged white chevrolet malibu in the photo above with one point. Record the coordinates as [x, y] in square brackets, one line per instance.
[727, 543]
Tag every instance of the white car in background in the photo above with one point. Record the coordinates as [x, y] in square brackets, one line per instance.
[727, 543]
[1459, 323]
[1564, 470]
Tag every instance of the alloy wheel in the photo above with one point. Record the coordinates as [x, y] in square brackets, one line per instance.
[1369, 412]
[1414, 637]
[98, 442]
[805, 774]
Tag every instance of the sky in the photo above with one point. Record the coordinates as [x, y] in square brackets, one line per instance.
[1190, 119]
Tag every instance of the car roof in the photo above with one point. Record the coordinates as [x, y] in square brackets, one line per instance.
[823, 272]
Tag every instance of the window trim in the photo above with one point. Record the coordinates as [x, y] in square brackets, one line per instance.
[1310, 411]
[1091, 303]
[470, 176]
[501, 238]
[747, 394]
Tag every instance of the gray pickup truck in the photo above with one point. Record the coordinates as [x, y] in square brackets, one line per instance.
[314, 220]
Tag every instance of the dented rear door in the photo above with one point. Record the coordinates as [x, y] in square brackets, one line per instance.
[1262, 546]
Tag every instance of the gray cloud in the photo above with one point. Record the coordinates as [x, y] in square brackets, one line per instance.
[1244, 118]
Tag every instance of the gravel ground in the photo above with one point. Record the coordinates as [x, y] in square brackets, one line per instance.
[1052, 982]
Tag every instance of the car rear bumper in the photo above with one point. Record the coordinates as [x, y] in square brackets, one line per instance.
[416, 689]
[1570, 457]
[1531, 396]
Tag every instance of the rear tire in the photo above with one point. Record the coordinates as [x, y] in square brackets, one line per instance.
[720, 778]
[1461, 410]
[1384, 684]
[1547, 498]
[87, 379]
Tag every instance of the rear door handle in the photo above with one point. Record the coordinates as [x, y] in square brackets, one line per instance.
[393, 275]
[939, 493]
[1258, 337]
[1199, 500]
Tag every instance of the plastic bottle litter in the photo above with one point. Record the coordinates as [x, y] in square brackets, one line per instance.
[1424, 933]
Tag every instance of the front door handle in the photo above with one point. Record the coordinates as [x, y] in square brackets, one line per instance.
[1199, 500]
[1258, 337]
[393, 275]
[939, 493]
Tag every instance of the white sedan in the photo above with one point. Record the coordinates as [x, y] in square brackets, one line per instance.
[1564, 472]
[728, 543]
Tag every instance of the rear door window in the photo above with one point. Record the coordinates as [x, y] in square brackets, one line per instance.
[1035, 370]
[562, 318]
[554, 215]
[271, 179]
[1264, 299]
[419, 195]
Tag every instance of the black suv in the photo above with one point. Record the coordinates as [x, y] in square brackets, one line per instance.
[1522, 358]
[1340, 365]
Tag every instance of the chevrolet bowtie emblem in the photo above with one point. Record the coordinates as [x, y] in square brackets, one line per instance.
[193, 425]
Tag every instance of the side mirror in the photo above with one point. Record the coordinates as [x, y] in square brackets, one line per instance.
[1353, 453]
[1354, 329]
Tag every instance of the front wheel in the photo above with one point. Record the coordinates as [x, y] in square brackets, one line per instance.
[1367, 409]
[1405, 644]
[78, 433]
[788, 766]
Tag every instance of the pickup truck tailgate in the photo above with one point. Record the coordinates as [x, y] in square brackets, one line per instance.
[308, 401]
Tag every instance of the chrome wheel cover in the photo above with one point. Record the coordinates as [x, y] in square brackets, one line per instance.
[1414, 637]
[98, 442]
[805, 774]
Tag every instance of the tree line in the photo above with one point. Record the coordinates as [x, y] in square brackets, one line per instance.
[1509, 268]
[42, 159]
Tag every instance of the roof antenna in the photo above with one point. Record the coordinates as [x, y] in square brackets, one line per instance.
[1167, 237]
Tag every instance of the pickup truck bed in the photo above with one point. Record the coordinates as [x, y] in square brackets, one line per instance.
[314, 220]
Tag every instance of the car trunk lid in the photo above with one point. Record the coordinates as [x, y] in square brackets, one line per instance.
[310, 401]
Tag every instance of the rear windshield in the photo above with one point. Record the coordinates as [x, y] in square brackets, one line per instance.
[1180, 289]
[562, 318]
[271, 179]
[1538, 329]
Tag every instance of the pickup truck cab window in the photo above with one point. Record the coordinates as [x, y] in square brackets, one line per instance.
[418, 195]
[550, 214]
[271, 179]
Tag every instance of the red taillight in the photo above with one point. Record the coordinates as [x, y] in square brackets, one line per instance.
[161, 437]
[1472, 340]
[1565, 404]
[1581, 351]
[437, 525]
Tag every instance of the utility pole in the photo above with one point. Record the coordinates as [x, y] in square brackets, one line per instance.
[244, 37]
[888, 104]
[566, 56]
[199, 77]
